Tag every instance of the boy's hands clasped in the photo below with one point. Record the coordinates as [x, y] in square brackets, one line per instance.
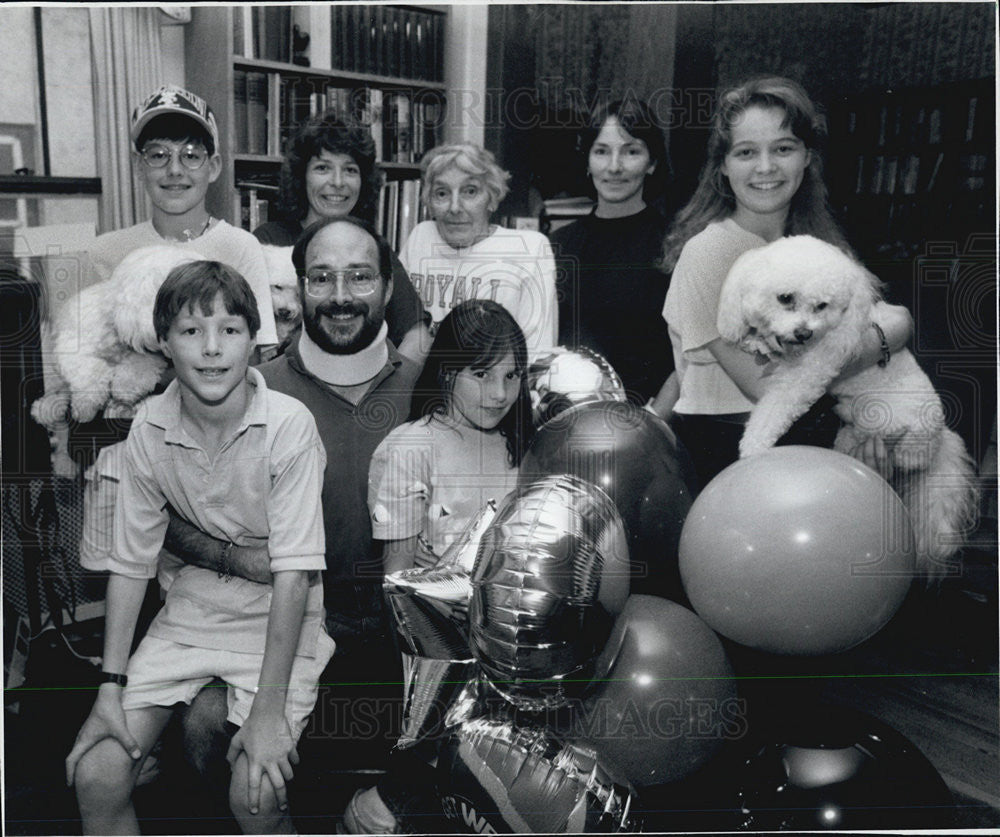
[269, 745]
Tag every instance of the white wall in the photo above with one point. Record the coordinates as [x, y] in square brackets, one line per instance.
[17, 46]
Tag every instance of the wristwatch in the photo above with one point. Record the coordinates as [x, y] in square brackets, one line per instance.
[113, 677]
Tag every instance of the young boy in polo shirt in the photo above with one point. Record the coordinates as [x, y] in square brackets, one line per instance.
[245, 464]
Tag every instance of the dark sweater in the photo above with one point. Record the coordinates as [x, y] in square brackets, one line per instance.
[611, 295]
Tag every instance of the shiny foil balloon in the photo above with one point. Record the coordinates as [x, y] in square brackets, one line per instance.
[430, 604]
[799, 550]
[562, 378]
[500, 775]
[634, 457]
[430, 688]
[551, 575]
[837, 769]
[664, 698]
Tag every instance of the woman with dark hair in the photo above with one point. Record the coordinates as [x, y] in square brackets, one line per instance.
[330, 171]
[469, 428]
[610, 290]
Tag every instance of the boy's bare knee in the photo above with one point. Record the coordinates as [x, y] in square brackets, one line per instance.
[267, 809]
[105, 776]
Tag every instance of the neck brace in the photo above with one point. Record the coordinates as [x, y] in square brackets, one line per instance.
[345, 370]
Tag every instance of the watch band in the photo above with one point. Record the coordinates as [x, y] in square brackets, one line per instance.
[113, 677]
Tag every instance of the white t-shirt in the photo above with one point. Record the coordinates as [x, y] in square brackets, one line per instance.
[515, 268]
[431, 478]
[222, 243]
[691, 310]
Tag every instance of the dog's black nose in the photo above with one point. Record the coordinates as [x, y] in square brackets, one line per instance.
[803, 334]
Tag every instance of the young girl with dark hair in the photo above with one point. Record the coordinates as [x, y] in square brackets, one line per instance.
[469, 428]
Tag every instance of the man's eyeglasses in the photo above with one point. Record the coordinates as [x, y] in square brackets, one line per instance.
[359, 281]
[192, 157]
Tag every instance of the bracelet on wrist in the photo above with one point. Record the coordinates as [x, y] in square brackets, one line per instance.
[225, 569]
[886, 354]
[113, 677]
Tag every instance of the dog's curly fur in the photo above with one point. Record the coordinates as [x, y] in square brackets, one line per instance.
[104, 345]
[807, 305]
[284, 290]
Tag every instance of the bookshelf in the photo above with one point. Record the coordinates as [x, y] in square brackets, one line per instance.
[381, 65]
[912, 165]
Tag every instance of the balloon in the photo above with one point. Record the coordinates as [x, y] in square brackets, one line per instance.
[635, 458]
[839, 769]
[665, 698]
[563, 378]
[430, 604]
[551, 574]
[502, 775]
[799, 550]
[429, 691]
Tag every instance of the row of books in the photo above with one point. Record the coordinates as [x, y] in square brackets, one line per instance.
[252, 203]
[399, 208]
[269, 107]
[911, 174]
[917, 123]
[388, 41]
[399, 211]
[264, 32]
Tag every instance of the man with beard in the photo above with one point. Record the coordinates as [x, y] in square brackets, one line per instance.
[358, 387]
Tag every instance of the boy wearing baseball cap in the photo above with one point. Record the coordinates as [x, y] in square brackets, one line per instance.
[176, 156]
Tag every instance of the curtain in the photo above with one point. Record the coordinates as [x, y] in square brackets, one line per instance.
[127, 67]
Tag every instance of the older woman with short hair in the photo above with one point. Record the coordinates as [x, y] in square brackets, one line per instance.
[460, 255]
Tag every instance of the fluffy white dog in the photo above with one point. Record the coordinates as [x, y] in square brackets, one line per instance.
[806, 304]
[104, 345]
[284, 289]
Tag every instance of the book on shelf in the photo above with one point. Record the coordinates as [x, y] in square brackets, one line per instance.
[911, 173]
[340, 100]
[256, 110]
[389, 225]
[263, 32]
[409, 207]
[275, 114]
[387, 41]
[252, 202]
[241, 124]
[369, 113]
[243, 32]
[398, 128]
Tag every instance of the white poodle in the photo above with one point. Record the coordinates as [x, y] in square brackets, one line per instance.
[807, 305]
[104, 345]
[284, 289]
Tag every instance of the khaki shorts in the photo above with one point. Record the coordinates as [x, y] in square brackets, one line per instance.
[162, 672]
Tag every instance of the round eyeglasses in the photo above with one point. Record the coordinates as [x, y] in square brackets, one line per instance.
[192, 157]
[359, 281]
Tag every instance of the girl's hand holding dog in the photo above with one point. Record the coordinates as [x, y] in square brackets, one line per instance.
[106, 720]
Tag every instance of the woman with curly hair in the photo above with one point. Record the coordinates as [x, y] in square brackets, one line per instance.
[330, 171]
